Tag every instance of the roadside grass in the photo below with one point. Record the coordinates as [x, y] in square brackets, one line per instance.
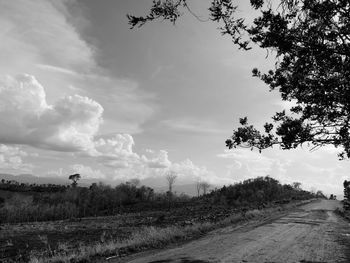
[343, 213]
[145, 238]
[149, 238]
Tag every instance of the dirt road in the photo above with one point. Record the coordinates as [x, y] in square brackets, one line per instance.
[312, 233]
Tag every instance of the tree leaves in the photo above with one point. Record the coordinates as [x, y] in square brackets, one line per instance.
[311, 40]
[312, 45]
[167, 9]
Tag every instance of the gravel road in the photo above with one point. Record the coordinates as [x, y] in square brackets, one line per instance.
[312, 233]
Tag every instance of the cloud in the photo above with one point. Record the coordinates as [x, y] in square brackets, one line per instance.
[26, 118]
[58, 69]
[118, 161]
[40, 31]
[157, 160]
[116, 151]
[11, 159]
[126, 105]
[116, 146]
[187, 169]
[188, 172]
[192, 125]
[249, 164]
[299, 165]
[45, 38]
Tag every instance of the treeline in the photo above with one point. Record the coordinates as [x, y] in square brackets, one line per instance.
[14, 186]
[76, 202]
[102, 200]
[260, 191]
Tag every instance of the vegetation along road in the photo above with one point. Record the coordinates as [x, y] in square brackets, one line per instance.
[311, 233]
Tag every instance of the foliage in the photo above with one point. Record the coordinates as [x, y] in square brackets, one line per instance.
[103, 200]
[27, 204]
[198, 186]
[14, 186]
[320, 194]
[258, 192]
[296, 185]
[202, 185]
[347, 195]
[311, 41]
[74, 178]
[332, 197]
[205, 186]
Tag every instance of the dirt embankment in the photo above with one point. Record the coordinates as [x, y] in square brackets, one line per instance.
[311, 233]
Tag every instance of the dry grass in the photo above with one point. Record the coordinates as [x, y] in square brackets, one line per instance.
[150, 237]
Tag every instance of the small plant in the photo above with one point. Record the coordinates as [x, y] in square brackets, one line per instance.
[45, 240]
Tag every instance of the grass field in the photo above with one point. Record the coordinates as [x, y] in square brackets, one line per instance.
[86, 238]
[21, 239]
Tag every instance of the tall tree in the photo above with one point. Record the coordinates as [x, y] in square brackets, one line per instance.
[311, 42]
[75, 178]
[205, 186]
[296, 185]
[170, 176]
[198, 187]
[135, 182]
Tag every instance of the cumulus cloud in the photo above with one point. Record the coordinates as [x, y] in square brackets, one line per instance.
[249, 164]
[117, 161]
[119, 145]
[26, 118]
[188, 169]
[299, 165]
[70, 124]
[157, 160]
[188, 172]
[45, 38]
[11, 158]
[116, 151]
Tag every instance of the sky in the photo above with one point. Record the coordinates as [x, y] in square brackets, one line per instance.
[82, 92]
